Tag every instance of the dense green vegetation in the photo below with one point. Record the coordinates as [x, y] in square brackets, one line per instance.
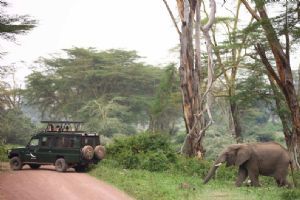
[170, 185]
[110, 90]
[175, 178]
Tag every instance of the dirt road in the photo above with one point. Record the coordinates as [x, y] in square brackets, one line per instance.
[47, 184]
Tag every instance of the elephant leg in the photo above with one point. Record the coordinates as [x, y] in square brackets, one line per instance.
[281, 182]
[253, 175]
[242, 175]
[280, 178]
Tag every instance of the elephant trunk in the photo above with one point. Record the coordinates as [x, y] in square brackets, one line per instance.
[214, 168]
[210, 174]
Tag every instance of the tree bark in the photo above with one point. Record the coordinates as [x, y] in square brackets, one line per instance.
[236, 127]
[284, 116]
[193, 105]
[284, 79]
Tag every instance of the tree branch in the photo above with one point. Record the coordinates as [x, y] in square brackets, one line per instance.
[172, 17]
[251, 11]
[264, 59]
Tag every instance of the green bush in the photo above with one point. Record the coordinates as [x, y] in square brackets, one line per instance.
[153, 152]
[155, 161]
[147, 151]
[191, 166]
[3, 154]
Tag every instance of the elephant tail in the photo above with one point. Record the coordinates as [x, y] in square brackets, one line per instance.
[292, 170]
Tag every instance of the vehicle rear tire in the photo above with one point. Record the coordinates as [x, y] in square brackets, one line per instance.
[87, 152]
[61, 165]
[100, 152]
[15, 163]
[34, 166]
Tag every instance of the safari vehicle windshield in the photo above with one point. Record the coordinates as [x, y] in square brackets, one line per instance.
[33, 142]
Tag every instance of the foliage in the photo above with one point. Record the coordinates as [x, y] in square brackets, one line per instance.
[110, 90]
[15, 127]
[3, 154]
[290, 195]
[148, 151]
[170, 185]
[165, 109]
[12, 25]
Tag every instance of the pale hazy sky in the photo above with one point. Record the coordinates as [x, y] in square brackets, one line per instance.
[141, 25]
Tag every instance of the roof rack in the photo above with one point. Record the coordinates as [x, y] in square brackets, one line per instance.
[63, 122]
[62, 126]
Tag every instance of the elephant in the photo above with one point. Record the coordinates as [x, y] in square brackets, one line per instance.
[254, 159]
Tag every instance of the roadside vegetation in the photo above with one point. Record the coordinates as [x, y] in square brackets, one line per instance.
[175, 178]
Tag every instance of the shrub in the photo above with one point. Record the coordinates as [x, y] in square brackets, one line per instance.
[3, 154]
[155, 161]
[148, 151]
[191, 166]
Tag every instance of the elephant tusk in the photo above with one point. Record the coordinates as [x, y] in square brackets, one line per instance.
[217, 165]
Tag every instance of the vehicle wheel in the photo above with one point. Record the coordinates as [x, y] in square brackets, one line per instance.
[100, 152]
[61, 165]
[15, 163]
[81, 168]
[88, 152]
[34, 166]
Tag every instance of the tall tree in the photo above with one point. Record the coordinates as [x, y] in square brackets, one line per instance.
[230, 56]
[283, 76]
[87, 80]
[195, 102]
[166, 107]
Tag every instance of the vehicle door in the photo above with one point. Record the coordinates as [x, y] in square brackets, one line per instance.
[30, 155]
[44, 152]
[68, 147]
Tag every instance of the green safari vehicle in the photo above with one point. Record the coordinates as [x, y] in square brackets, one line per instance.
[61, 144]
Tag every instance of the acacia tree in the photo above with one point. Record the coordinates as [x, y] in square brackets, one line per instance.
[283, 74]
[195, 102]
[13, 25]
[230, 54]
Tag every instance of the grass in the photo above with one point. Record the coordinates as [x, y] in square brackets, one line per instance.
[145, 185]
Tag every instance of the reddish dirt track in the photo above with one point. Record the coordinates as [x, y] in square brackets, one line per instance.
[47, 184]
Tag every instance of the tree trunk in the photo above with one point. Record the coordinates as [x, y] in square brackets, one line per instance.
[298, 84]
[284, 116]
[236, 127]
[194, 104]
[190, 82]
[190, 74]
[284, 79]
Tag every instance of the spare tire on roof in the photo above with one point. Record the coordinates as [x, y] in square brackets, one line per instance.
[87, 152]
[100, 152]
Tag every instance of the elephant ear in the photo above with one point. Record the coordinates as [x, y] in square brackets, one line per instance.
[243, 154]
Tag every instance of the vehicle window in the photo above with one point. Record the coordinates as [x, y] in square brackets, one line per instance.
[67, 142]
[34, 142]
[45, 141]
[59, 141]
[89, 141]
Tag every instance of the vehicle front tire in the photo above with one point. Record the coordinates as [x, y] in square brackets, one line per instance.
[15, 163]
[34, 166]
[61, 165]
